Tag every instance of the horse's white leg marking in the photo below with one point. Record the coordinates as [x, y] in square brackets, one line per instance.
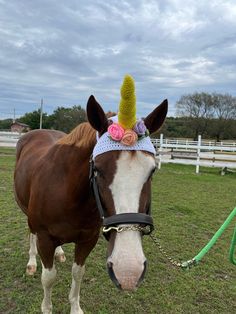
[74, 297]
[48, 278]
[60, 255]
[32, 263]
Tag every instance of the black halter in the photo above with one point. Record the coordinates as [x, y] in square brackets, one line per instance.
[117, 219]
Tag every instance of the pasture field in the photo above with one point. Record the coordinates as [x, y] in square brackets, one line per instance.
[187, 210]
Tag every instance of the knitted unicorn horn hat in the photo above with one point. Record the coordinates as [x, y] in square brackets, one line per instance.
[129, 133]
[127, 109]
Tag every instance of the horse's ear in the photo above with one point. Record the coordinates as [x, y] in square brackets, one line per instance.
[96, 115]
[156, 118]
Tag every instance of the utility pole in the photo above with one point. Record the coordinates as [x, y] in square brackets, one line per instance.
[14, 115]
[41, 114]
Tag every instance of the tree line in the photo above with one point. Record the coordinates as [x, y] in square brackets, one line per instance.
[211, 115]
[63, 119]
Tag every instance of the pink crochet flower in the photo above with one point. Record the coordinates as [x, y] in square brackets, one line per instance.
[116, 131]
[129, 138]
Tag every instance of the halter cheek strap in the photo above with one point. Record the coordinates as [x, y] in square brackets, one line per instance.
[94, 187]
[111, 223]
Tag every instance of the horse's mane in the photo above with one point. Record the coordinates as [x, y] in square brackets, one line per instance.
[83, 136]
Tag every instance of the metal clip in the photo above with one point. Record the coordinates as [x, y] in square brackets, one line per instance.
[188, 264]
[108, 229]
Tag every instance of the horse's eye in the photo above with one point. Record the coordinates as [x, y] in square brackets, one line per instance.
[95, 170]
[98, 172]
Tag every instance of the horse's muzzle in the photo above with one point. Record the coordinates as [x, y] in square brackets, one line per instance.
[127, 279]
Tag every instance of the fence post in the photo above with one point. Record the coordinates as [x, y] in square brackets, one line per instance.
[160, 151]
[198, 153]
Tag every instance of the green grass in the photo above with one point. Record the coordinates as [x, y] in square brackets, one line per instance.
[187, 210]
[7, 151]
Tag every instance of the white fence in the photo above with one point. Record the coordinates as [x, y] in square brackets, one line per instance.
[179, 151]
[186, 143]
[8, 139]
[198, 153]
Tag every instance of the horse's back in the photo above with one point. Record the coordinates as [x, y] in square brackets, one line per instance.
[37, 141]
[29, 151]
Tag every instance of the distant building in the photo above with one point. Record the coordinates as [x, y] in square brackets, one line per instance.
[19, 127]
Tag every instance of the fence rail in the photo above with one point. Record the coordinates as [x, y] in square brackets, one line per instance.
[179, 151]
[187, 143]
[198, 153]
[8, 139]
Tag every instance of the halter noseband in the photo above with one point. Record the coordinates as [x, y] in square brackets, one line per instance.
[137, 221]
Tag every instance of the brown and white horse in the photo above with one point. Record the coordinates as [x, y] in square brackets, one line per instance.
[52, 188]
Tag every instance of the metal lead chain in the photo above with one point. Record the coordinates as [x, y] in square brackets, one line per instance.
[126, 228]
[170, 259]
[184, 265]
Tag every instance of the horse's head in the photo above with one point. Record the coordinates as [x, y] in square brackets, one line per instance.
[123, 183]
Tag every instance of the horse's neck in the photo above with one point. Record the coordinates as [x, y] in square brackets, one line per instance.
[73, 151]
[72, 154]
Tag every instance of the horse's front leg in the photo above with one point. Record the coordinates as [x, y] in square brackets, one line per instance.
[46, 249]
[81, 252]
[48, 278]
[74, 296]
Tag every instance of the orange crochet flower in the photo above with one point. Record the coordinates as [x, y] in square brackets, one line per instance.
[129, 138]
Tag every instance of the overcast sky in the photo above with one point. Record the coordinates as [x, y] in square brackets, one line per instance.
[64, 51]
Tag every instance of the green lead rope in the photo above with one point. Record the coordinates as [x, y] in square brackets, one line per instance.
[232, 248]
[201, 254]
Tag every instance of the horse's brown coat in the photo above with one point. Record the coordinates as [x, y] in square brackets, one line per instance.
[52, 188]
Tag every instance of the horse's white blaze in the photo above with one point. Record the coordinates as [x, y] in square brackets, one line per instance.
[74, 297]
[132, 172]
[127, 256]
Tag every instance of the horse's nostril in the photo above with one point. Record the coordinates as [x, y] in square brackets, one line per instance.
[112, 275]
[126, 280]
[143, 273]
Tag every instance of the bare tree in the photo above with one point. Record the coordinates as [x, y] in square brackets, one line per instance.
[224, 106]
[224, 114]
[199, 108]
[209, 114]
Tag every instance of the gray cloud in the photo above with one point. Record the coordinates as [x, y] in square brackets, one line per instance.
[65, 51]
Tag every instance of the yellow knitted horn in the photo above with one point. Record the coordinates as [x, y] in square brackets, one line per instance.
[127, 108]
